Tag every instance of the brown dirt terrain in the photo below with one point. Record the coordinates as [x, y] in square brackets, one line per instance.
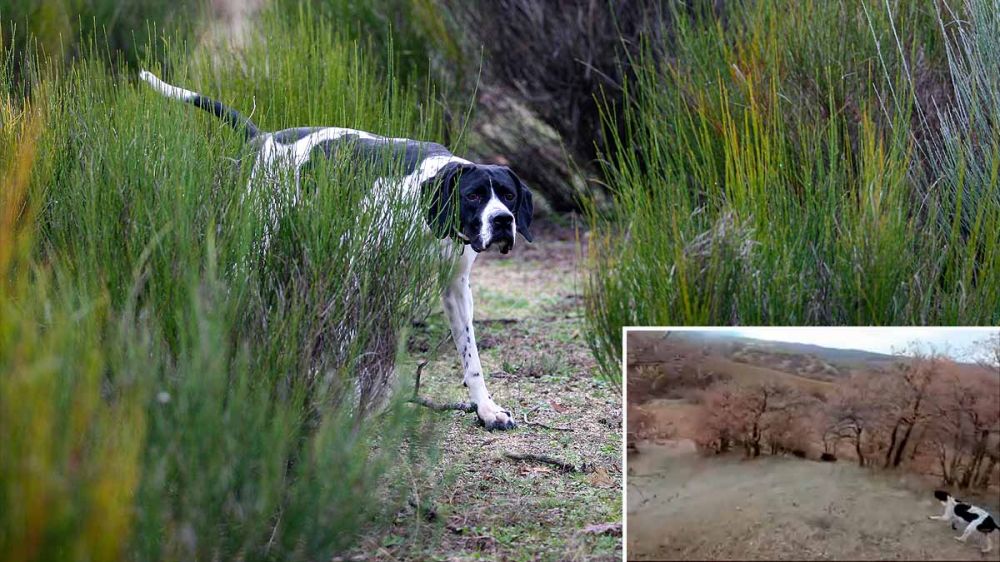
[682, 505]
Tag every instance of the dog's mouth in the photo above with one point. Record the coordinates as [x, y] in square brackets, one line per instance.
[504, 242]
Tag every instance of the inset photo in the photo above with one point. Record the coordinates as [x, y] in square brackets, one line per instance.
[812, 443]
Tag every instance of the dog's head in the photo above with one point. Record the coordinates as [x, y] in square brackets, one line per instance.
[942, 496]
[480, 204]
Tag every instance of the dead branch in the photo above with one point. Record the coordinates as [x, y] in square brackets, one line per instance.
[563, 466]
[542, 425]
[467, 407]
[420, 369]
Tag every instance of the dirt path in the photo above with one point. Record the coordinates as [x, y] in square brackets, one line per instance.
[684, 506]
[529, 326]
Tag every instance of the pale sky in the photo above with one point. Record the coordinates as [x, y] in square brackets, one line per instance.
[951, 341]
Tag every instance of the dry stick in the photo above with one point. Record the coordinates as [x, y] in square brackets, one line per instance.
[460, 406]
[535, 409]
[542, 425]
[420, 367]
[563, 466]
[274, 532]
[467, 407]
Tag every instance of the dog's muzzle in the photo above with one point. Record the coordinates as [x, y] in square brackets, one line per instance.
[503, 242]
[502, 227]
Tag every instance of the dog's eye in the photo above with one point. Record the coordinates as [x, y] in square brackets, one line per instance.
[509, 196]
[472, 197]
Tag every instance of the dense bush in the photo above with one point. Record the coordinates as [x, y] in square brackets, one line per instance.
[63, 30]
[169, 389]
[546, 69]
[776, 171]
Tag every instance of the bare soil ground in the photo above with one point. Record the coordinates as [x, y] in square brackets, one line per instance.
[486, 506]
[682, 505]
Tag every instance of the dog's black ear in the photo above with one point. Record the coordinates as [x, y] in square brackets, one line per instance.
[439, 194]
[525, 208]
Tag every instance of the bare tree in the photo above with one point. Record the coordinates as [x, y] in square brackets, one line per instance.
[719, 407]
[752, 415]
[908, 401]
[855, 409]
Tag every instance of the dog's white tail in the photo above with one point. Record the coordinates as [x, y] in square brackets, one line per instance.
[229, 115]
[167, 89]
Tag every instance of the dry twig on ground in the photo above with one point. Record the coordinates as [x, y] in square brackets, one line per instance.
[563, 466]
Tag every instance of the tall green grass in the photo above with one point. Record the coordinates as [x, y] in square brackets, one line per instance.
[169, 388]
[775, 171]
[61, 30]
[964, 158]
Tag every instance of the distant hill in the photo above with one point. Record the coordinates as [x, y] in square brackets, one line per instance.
[701, 356]
[844, 357]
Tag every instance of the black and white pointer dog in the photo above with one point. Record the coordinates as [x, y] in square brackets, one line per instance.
[976, 518]
[493, 205]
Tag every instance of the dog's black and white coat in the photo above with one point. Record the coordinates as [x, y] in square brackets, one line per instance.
[493, 205]
[976, 518]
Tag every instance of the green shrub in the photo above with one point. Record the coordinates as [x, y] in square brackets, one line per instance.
[169, 388]
[771, 174]
[964, 156]
[62, 30]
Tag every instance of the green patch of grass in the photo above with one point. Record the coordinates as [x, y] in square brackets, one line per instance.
[551, 364]
[504, 304]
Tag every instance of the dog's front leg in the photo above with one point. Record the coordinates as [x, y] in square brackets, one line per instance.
[458, 307]
[943, 517]
[968, 531]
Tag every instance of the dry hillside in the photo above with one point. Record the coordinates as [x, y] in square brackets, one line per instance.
[683, 506]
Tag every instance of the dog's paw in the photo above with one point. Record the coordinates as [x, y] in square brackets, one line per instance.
[959, 539]
[493, 417]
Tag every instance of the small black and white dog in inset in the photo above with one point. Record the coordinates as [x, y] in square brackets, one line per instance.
[493, 204]
[976, 518]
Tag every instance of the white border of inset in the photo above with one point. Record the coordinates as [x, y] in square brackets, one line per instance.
[624, 367]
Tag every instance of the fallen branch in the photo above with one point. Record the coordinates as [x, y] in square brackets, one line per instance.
[552, 427]
[502, 321]
[542, 425]
[467, 407]
[613, 529]
[420, 369]
[534, 409]
[563, 466]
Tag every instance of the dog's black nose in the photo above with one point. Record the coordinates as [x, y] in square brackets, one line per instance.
[503, 221]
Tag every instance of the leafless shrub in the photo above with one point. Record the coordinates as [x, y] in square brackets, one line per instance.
[559, 60]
